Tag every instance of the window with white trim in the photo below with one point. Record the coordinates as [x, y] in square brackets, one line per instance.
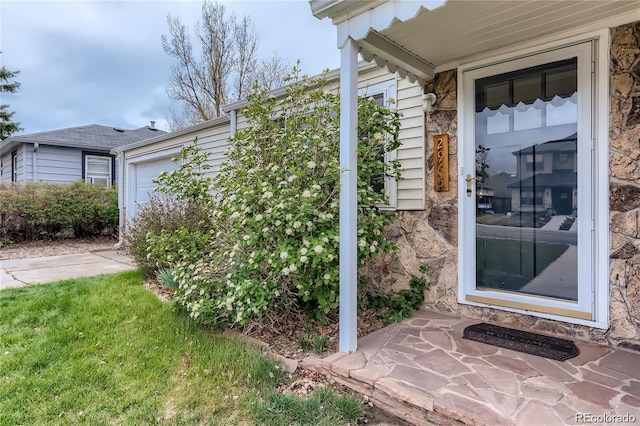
[384, 94]
[98, 169]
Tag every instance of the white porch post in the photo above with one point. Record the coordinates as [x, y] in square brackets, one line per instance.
[348, 195]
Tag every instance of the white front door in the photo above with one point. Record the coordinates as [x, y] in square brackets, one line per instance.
[527, 186]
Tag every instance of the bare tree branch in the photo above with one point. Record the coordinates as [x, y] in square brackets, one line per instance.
[271, 71]
[245, 61]
[224, 68]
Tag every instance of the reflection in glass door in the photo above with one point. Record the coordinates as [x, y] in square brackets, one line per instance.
[526, 181]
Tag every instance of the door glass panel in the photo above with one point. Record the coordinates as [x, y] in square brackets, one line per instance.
[527, 89]
[496, 95]
[527, 181]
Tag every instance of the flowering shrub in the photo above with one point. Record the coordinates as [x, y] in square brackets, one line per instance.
[276, 223]
[189, 182]
[183, 245]
[173, 227]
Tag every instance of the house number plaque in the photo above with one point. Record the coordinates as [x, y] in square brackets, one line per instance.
[441, 162]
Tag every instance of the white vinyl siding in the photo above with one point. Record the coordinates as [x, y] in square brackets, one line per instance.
[214, 140]
[409, 192]
[216, 143]
[141, 161]
[242, 121]
[411, 189]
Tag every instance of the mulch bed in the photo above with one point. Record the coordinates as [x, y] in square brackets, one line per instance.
[283, 330]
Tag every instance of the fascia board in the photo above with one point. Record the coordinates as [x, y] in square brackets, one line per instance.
[9, 146]
[280, 92]
[396, 58]
[340, 10]
[191, 129]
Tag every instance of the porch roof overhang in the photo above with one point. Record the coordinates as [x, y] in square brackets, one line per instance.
[419, 38]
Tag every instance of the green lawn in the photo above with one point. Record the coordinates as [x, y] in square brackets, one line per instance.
[104, 351]
[511, 264]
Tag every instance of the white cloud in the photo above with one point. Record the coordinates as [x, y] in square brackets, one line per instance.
[102, 61]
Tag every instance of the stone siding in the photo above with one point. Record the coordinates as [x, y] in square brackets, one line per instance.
[430, 236]
[624, 199]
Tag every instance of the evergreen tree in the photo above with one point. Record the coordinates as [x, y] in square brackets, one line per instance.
[7, 125]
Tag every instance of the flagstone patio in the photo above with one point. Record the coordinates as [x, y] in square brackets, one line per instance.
[423, 371]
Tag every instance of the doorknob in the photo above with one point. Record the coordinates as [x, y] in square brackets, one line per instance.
[470, 179]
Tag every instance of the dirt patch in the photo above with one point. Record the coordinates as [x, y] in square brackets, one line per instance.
[162, 292]
[55, 247]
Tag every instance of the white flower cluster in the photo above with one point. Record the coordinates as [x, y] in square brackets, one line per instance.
[276, 226]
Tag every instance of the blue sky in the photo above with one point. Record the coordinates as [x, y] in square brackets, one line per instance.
[101, 62]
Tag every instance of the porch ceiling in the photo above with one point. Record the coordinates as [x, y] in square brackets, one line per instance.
[406, 35]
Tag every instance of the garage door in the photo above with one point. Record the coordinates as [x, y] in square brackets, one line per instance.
[143, 186]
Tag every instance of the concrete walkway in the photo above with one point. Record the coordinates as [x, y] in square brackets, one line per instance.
[39, 270]
[556, 221]
[559, 279]
[423, 371]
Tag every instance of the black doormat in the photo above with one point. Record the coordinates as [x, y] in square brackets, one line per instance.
[522, 341]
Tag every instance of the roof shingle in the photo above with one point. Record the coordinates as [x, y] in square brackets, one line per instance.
[91, 136]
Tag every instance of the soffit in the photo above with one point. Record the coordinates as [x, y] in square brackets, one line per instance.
[409, 37]
[460, 29]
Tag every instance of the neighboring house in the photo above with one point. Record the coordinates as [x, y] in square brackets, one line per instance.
[501, 193]
[510, 76]
[67, 155]
[144, 161]
[547, 178]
